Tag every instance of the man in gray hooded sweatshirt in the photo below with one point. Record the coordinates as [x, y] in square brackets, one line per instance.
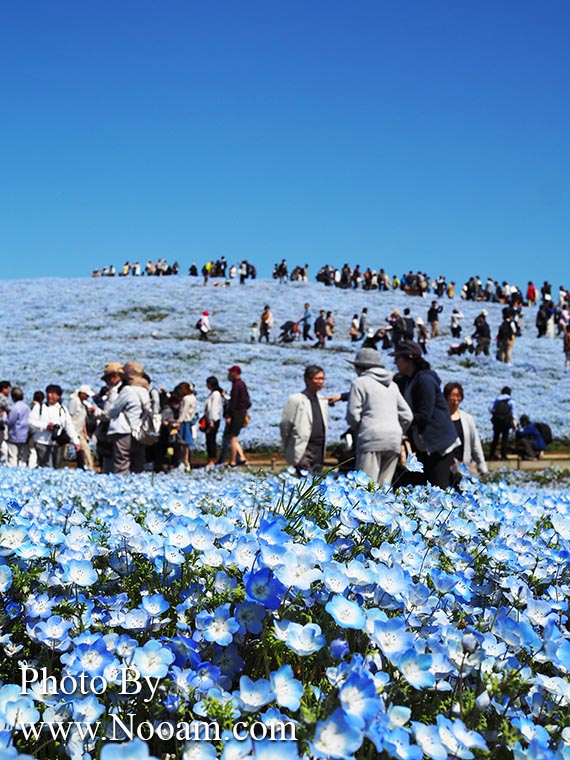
[378, 415]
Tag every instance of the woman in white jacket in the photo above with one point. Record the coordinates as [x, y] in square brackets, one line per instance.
[470, 452]
[213, 412]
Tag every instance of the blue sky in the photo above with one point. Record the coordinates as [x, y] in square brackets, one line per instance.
[403, 135]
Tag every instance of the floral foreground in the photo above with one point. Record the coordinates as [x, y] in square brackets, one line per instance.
[282, 618]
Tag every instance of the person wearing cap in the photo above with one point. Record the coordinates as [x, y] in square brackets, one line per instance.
[47, 420]
[482, 334]
[377, 415]
[432, 431]
[236, 411]
[204, 325]
[79, 411]
[304, 423]
[127, 413]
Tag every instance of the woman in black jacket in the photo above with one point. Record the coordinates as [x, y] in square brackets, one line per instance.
[432, 432]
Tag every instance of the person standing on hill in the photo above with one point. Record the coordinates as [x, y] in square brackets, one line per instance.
[265, 324]
[433, 318]
[505, 338]
[503, 418]
[306, 321]
[482, 334]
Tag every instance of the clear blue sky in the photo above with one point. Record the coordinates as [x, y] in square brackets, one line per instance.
[408, 135]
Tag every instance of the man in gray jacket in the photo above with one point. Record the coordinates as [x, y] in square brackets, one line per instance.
[130, 408]
[304, 423]
[378, 415]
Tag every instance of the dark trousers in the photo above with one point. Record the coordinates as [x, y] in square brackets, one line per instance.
[437, 468]
[502, 432]
[48, 455]
[211, 434]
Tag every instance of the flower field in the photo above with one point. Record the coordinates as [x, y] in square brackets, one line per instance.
[238, 615]
[368, 623]
[65, 331]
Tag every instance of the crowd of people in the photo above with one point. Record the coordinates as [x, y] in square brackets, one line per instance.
[551, 319]
[126, 427]
[129, 425]
[392, 415]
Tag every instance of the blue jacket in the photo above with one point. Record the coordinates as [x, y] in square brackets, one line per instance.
[532, 432]
[18, 423]
[432, 420]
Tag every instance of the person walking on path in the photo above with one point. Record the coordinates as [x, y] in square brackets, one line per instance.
[503, 418]
[377, 415]
[236, 412]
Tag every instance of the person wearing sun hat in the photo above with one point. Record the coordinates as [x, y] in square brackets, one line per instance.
[432, 431]
[377, 415]
[126, 415]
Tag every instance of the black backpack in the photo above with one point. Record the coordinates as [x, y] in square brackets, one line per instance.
[544, 431]
[502, 412]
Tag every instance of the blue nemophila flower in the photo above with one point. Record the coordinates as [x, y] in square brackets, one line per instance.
[302, 639]
[298, 569]
[359, 699]
[392, 638]
[91, 658]
[339, 648]
[218, 626]
[80, 572]
[205, 677]
[236, 750]
[335, 577]
[133, 750]
[267, 749]
[39, 606]
[136, 620]
[413, 464]
[154, 604]
[254, 695]
[416, 669]
[153, 659]
[336, 737]
[263, 587]
[16, 708]
[52, 632]
[346, 613]
[397, 744]
[5, 578]
[457, 738]
[429, 740]
[250, 617]
[199, 749]
[288, 691]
